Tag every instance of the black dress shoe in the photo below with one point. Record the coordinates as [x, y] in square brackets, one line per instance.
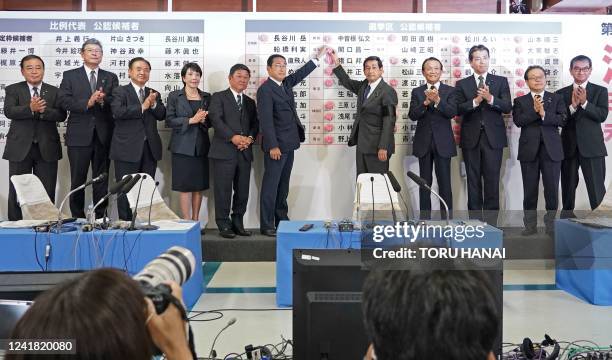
[528, 231]
[227, 233]
[268, 232]
[239, 230]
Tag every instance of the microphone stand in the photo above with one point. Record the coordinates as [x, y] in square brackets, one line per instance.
[135, 213]
[390, 199]
[417, 179]
[371, 225]
[149, 227]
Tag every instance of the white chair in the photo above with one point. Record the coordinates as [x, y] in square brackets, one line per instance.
[33, 199]
[159, 209]
[382, 202]
[605, 207]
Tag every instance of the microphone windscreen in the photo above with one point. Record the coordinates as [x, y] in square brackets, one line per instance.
[231, 322]
[130, 184]
[119, 185]
[102, 176]
[394, 183]
[417, 179]
[372, 178]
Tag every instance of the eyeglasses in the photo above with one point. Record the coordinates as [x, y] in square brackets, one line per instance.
[583, 69]
[536, 78]
[280, 66]
[93, 51]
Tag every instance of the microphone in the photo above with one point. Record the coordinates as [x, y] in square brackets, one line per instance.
[398, 189]
[372, 186]
[149, 226]
[422, 183]
[100, 178]
[212, 348]
[112, 190]
[390, 199]
[129, 185]
[137, 198]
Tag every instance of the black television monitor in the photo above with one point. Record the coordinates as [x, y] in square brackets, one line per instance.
[10, 312]
[327, 318]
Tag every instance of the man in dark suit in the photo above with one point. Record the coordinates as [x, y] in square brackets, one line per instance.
[136, 145]
[282, 133]
[234, 117]
[481, 101]
[373, 128]
[539, 114]
[86, 92]
[433, 106]
[583, 140]
[32, 143]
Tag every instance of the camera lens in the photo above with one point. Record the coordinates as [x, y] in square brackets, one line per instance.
[176, 264]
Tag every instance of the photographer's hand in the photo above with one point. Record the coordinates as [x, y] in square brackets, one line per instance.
[168, 330]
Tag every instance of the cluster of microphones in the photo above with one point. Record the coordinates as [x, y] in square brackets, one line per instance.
[120, 188]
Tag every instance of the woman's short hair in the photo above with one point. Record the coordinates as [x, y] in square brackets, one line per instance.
[193, 66]
[103, 310]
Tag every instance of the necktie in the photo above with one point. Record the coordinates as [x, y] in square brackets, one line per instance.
[239, 102]
[92, 81]
[36, 116]
[35, 90]
[481, 82]
[141, 95]
[365, 94]
[432, 87]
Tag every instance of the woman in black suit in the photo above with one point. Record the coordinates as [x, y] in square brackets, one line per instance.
[187, 115]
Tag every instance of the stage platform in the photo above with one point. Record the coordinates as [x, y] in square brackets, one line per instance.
[263, 248]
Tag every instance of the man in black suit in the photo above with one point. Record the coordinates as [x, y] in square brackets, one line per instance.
[32, 143]
[583, 140]
[481, 100]
[234, 117]
[539, 114]
[433, 106]
[373, 128]
[282, 133]
[136, 145]
[86, 92]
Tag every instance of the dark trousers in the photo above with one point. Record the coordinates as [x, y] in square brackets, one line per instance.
[551, 171]
[33, 163]
[369, 163]
[147, 164]
[443, 175]
[274, 190]
[231, 174]
[594, 171]
[483, 164]
[80, 158]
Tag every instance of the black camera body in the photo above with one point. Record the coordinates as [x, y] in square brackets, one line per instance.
[160, 295]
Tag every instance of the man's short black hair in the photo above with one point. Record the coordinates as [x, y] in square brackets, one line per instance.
[274, 56]
[430, 314]
[139, 58]
[371, 58]
[432, 59]
[31, 57]
[475, 48]
[581, 58]
[237, 67]
[533, 67]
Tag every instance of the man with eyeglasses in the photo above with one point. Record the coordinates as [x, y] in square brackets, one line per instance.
[282, 132]
[539, 114]
[86, 92]
[583, 141]
[482, 99]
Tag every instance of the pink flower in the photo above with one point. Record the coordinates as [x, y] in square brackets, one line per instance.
[393, 60]
[329, 139]
[329, 105]
[456, 61]
[328, 116]
[329, 70]
[329, 83]
[393, 82]
[520, 83]
[520, 93]
[328, 127]
[519, 72]
[456, 50]
[457, 73]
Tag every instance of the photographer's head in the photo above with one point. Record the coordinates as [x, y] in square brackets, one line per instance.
[104, 311]
[108, 316]
[430, 314]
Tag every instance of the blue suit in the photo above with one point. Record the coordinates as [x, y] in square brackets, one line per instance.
[280, 127]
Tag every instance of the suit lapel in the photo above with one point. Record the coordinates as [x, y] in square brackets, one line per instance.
[490, 83]
[85, 79]
[26, 92]
[373, 94]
